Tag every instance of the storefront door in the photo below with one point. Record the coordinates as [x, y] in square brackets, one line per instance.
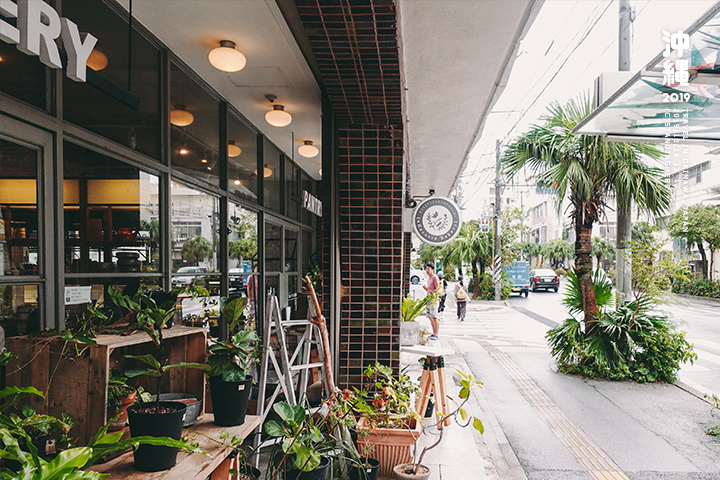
[28, 300]
[281, 264]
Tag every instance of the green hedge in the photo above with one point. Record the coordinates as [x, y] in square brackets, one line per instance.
[698, 287]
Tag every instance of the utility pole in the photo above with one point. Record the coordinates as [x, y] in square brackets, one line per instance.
[623, 279]
[497, 270]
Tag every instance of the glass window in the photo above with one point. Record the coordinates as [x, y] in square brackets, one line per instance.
[272, 195]
[20, 309]
[195, 224]
[308, 258]
[291, 250]
[111, 215]
[120, 99]
[293, 195]
[243, 251]
[273, 247]
[242, 159]
[18, 209]
[195, 128]
[23, 76]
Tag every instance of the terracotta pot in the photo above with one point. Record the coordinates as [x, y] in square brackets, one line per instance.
[125, 402]
[423, 472]
[390, 446]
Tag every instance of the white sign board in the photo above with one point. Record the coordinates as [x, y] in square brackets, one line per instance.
[437, 220]
[77, 295]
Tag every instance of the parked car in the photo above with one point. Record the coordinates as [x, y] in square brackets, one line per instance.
[186, 276]
[417, 276]
[238, 279]
[544, 278]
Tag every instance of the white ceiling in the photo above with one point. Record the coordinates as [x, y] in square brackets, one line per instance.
[455, 55]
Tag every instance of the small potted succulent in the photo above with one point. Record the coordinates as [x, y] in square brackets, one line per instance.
[229, 362]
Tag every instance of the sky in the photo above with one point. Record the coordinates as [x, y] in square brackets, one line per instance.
[570, 43]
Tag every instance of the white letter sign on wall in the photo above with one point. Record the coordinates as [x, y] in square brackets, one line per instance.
[38, 26]
[312, 203]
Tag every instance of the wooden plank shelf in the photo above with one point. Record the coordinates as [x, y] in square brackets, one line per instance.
[78, 385]
[189, 466]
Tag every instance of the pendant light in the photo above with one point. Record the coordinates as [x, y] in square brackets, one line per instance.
[277, 117]
[233, 150]
[181, 117]
[267, 172]
[226, 58]
[308, 150]
[97, 60]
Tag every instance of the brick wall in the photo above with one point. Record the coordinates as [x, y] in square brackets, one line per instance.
[371, 247]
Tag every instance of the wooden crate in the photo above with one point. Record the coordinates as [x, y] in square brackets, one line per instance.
[78, 385]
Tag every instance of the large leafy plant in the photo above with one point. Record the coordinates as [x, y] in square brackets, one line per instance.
[412, 308]
[152, 318]
[231, 359]
[385, 399]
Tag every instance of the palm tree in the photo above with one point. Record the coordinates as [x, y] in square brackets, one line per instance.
[473, 247]
[579, 167]
[602, 248]
[557, 250]
[634, 181]
[196, 249]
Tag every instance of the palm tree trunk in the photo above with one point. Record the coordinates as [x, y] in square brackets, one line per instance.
[703, 256]
[583, 268]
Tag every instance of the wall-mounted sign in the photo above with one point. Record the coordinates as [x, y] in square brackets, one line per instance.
[312, 203]
[37, 27]
[437, 220]
[77, 295]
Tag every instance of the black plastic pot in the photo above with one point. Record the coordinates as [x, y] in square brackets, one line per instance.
[320, 473]
[154, 458]
[246, 472]
[229, 401]
[365, 473]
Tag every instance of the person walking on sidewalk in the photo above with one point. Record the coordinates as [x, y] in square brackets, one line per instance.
[442, 292]
[460, 299]
[431, 286]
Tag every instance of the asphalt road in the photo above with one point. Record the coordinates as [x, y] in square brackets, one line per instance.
[562, 427]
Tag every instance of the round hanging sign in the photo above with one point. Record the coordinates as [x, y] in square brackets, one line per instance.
[437, 220]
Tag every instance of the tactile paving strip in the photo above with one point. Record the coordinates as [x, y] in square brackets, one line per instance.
[588, 454]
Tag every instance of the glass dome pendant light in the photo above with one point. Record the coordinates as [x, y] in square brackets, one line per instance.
[308, 150]
[226, 57]
[233, 150]
[277, 117]
[181, 117]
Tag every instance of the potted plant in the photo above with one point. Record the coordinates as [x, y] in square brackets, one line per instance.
[388, 425]
[411, 309]
[229, 362]
[415, 470]
[120, 396]
[155, 419]
[303, 451]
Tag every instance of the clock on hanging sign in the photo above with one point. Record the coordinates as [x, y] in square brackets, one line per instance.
[437, 220]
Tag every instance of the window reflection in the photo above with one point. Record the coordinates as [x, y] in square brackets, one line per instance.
[273, 247]
[19, 309]
[271, 177]
[23, 76]
[195, 224]
[111, 215]
[18, 210]
[243, 252]
[195, 128]
[242, 159]
[120, 106]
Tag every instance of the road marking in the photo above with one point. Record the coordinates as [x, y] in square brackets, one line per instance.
[600, 466]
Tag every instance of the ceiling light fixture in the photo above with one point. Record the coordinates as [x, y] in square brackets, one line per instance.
[267, 172]
[97, 60]
[181, 117]
[277, 117]
[233, 150]
[308, 150]
[203, 160]
[183, 151]
[237, 182]
[226, 57]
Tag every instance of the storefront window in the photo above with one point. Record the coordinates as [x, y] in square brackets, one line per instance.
[272, 194]
[243, 252]
[19, 309]
[111, 215]
[195, 222]
[195, 128]
[292, 190]
[18, 209]
[242, 160]
[273, 247]
[120, 98]
[23, 76]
